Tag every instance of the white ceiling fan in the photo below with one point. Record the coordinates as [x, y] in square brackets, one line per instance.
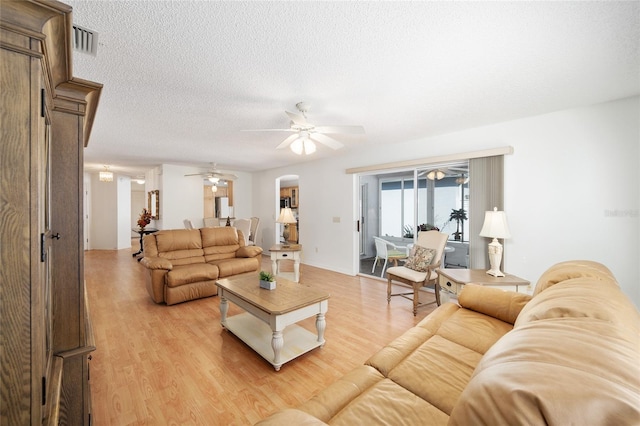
[214, 175]
[305, 133]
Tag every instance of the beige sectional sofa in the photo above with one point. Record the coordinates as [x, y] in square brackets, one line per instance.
[184, 264]
[569, 355]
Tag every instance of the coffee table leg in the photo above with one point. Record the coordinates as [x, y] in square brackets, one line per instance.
[321, 324]
[296, 270]
[277, 342]
[224, 308]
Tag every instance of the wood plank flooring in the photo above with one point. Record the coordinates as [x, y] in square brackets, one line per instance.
[175, 365]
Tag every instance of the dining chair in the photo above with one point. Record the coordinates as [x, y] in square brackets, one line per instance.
[255, 223]
[243, 225]
[420, 268]
[388, 251]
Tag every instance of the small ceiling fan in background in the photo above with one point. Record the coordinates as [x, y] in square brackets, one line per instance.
[305, 133]
[214, 175]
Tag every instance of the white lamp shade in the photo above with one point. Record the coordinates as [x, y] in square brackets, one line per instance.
[286, 216]
[495, 225]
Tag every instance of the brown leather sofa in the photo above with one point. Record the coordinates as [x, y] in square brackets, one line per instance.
[570, 355]
[184, 264]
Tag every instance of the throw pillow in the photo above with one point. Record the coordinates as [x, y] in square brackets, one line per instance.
[420, 258]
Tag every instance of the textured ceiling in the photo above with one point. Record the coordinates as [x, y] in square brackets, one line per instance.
[183, 78]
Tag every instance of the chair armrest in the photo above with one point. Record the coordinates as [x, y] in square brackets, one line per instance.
[156, 263]
[495, 302]
[249, 251]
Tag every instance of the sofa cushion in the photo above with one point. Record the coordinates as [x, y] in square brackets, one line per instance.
[237, 265]
[177, 240]
[564, 271]
[558, 371]
[388, 403]
[582, 298]
[187, 274]
[221, 236]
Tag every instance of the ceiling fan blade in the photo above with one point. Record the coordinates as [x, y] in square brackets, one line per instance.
[287, 141]
[197, 174]
[268, 130]
[297, 118]
[326, 140]
[352, 130]
[226, 176]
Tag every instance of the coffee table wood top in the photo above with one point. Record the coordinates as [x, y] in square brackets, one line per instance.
[286, 297]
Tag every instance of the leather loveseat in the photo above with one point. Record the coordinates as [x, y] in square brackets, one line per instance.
[569, 355]
[184, 264]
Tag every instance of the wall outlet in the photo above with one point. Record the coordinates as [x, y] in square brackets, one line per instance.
[336, 219]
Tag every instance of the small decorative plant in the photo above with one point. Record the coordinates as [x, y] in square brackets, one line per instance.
[266, 276]
[144, 219]
[267, 280]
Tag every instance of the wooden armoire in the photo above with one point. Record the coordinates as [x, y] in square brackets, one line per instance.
[45, 119]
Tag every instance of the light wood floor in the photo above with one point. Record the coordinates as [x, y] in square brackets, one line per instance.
[175, 365]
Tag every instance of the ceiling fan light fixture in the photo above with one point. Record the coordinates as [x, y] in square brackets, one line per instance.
[309, 146]
[213, 179]
[435, 174]
[297, 146]
[462, 180]
[106, 175]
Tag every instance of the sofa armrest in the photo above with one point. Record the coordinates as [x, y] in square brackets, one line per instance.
[497, 303]
[249, 251]
[156, 263]
[291, 416]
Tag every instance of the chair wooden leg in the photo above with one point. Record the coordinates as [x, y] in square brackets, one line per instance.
[416, 298]
[436, 288]
[388, 289]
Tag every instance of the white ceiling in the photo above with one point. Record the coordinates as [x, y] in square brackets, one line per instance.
[182, 78]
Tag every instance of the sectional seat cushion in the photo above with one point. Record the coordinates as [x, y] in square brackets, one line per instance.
[187, 274]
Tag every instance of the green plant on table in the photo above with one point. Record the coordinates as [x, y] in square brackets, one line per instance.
[266, 276]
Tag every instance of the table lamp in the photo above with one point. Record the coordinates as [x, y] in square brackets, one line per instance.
[286, 217]
[495, 226]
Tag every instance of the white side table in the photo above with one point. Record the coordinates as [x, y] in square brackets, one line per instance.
[286, 252]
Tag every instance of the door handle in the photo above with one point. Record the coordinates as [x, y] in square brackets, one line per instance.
[56, 236]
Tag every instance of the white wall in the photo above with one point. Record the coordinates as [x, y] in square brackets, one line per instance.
[571, 191]
[109, 212]
[138, 202]
[181, 197]
[123, 205]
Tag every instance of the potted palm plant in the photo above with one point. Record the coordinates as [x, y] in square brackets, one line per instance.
[458, 215]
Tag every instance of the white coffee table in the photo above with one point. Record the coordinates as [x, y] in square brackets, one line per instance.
[269, 324]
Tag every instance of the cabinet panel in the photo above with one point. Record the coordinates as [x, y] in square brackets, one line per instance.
[43, 325]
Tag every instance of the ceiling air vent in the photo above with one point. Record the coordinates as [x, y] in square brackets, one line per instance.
[85, 40]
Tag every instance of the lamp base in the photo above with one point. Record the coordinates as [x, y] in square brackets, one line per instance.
[495, 272]
[495, 258]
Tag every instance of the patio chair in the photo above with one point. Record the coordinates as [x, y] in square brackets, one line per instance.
[388, 251]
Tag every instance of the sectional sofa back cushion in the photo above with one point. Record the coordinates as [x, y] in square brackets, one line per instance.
[180, 246]
[572, 358]
[220, 243]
